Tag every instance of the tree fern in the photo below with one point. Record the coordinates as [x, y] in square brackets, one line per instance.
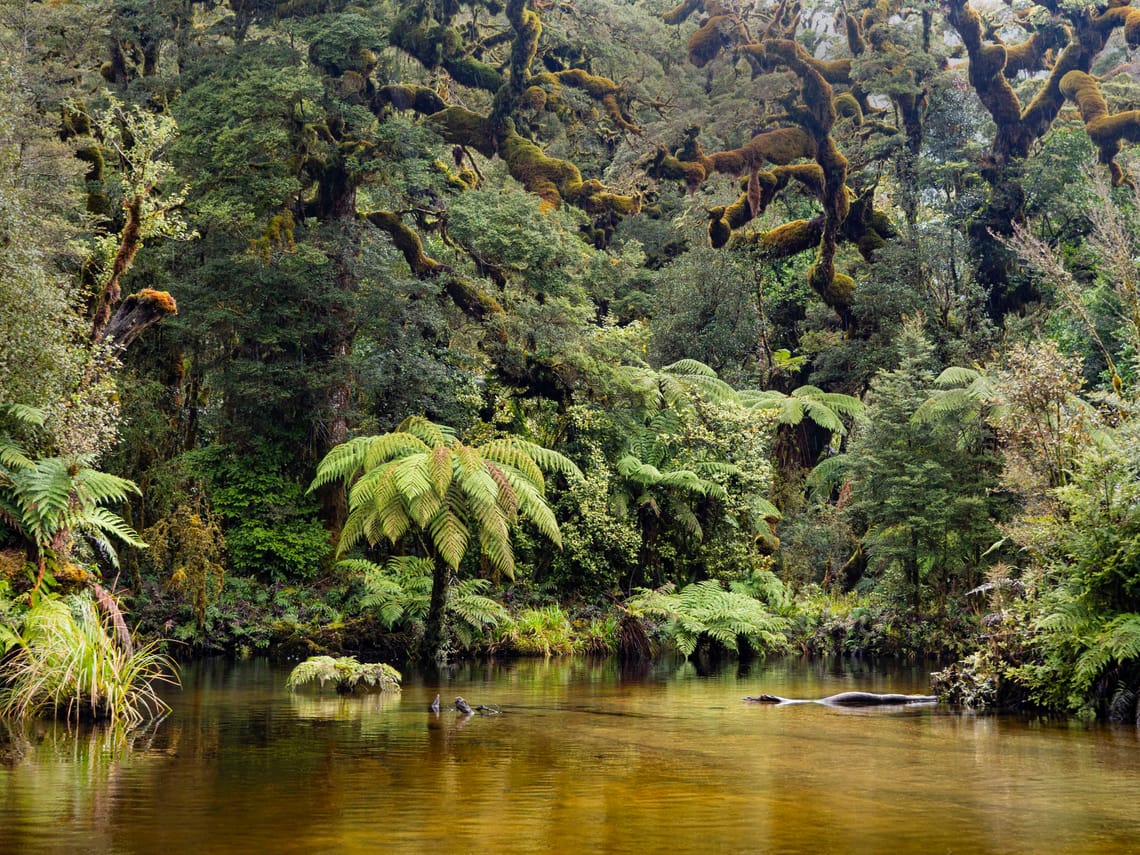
[55, 499]
[707, 609]
[826, 409]
[421, 477]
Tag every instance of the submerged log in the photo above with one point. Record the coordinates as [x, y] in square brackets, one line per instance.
[849, 699]
[466, 708]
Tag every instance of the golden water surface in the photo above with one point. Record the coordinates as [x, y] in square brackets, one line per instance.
[586, 757]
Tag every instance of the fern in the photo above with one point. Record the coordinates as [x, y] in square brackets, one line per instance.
[707, 610]
[829, 472]
[1117, 641]
[346, 673]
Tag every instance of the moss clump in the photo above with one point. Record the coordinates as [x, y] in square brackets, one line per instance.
[528, 29]
[666, 166]
[160, 300]
[534, 98]
[708, 41]
[779, 146]
[92, 155]
[681, 13]
[478, 75]
[422, 99]
[847, 106]
[554, 180]
[834, 287]
[547, 177]
[599, 88]
[463, 127]
[791, 238]
[1104, 129]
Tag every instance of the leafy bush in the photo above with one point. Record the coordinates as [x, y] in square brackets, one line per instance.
[271, 527]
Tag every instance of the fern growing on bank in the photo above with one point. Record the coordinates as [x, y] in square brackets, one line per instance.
[346, 673]
[399, 591]
[422, 479]
[709, 610]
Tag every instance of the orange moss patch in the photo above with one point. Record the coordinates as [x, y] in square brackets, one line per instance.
[680, 14]
[779, 146]
[847, 106]
[791, 238]
[599, 88]
[554, 180]
[1104, 129]
[161, 300]
[708, 41]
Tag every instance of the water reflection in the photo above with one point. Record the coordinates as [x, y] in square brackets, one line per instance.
[585, 757]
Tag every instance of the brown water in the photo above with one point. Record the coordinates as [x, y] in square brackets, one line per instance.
[584, 759]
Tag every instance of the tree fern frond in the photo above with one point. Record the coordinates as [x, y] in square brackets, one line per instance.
[449, 536]
[411, 476]
[26, 415]
[107, 521]
[440, 469]
[687, 520]
[690, 368]
[430, 433]
[511, 454]
[97, 487]
[342, 462]
[822, 415]
[829, 472]
[764, 509]
[957, 375]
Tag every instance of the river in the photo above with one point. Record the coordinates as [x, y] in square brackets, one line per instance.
[586, 757]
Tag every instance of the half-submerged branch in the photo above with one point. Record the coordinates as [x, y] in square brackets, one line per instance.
[849, 699]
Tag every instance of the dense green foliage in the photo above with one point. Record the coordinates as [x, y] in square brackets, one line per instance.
[777, 323]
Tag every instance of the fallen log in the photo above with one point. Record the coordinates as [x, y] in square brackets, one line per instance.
[848, 699]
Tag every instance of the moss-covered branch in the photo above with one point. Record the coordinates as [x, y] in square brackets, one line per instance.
[1106, 130]
[467, 296]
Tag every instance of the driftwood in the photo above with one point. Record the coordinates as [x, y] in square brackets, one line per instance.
[466, 708]
[849, 699]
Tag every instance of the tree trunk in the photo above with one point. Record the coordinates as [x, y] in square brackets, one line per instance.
[436, 638]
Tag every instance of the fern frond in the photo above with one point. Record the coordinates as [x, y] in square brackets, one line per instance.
[107, 521]
[957, 375]
[428, 432]
[829, 472]
[97, 487]
[449, 536]
[510, 454]
[690, 368]
[26, 415]
[440, 469]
